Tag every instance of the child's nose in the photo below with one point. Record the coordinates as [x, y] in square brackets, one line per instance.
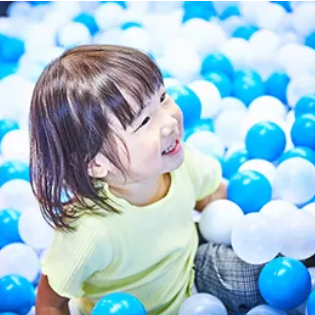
[169, 127]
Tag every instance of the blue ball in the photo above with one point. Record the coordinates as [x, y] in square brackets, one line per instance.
[204, 124]
[303, 131]
[89, 21]
[121, 3]
[233, 163]
[198, 9]
[303, 152]
[119, 304]
[127, 25]
[188, 102]
[221, 81]
[6, 313]
[265, 140]
[248, 86]
[7, 125]
[250, 190]
[7, 68]
[13, 170]
[311, 304]
[285, 283]
[310, 40]
[17, 294]
[9, 227]
[245, 31]
[11, 49]
[305, 105]
[276, 85]
[230, 11]
[285, 4]
[217, 62]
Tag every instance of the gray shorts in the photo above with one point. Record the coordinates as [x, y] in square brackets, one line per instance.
[221, 273]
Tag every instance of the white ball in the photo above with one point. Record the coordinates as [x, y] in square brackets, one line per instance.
[74, 34]
[169, 82]
[113, 36]
[295, 180]
[218, 219]
[255, 239]
[251, 10]
[275, 209]
[209, 97]
[238, 146]
[109, 15]
[233, 103]
[272, 17]
[20, 259]
[263, 167]
[265, 310]
[310, 208]
[15, 146]
[137, 38]
[207, 142]
[17, 194]
[34, 230]
[303, 18]
[227, 126]
[297, 230]
[239, 51]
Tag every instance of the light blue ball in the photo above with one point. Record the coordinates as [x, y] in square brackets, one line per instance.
[311, 304]
[11, 49]
[303, 131]
[285, 283]
[221, 81]
[230, 11]
[188, 102]
[265, 140]
[217, 62]
[7, 125]
[17, 294]
[9, 227]
[203, 124]
[305, 105]
[89, 21]
[310, 40]
[233, 163]
[13, 170]
[276, 85]
[119, 304]
[245, 31]
[303, 152]
[250, 190]
[247, 86]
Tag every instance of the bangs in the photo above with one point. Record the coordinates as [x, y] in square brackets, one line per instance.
[107, 73]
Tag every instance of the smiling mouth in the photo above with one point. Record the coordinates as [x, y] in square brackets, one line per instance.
[172, 148]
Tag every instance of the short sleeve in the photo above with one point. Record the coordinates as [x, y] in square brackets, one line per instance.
[73, 257]
[205, 172]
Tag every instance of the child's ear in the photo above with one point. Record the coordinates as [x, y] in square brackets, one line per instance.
[99, 166]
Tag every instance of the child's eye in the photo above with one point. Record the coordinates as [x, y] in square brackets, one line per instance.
[145, 121]
[163, 96]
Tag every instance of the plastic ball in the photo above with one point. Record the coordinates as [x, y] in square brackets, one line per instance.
[221, 81]
[254, 239]
[188, 102]
[311, 304]
[294, 180]
[285, 283]
[235, 147]
[310, 40]
[217, 221]
[11, 49]
[302, 152]
[275, 209]
[247, 88]
[310, 208]
[233, 162]
[11, 257]
[13, 170]
[119, 304]
[297, 230]
[303, 307]
[229, 11]
[202, 304]
[250, 190]
[232, 103]
[265, 140]
[127, 25]
[138, 38]
[276, 85]
[9, 231]
[268, 106]
[7, 125]
[17, 294]
[228, 126]
[305, 105]
[87, 20]
[302, 18]
[203, 125]
[34, 230]
[273, 17]
[209, 96]
[260, 166]
[207, 142]
[265, 310]
[109, 15]
[217, 62]
[245, 31]
[303, 131]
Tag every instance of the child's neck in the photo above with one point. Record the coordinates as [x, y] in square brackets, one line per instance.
[144, 193]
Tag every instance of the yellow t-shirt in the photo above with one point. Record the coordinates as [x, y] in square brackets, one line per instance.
[147, 251]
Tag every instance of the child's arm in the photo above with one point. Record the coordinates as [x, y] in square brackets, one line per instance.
[48, 302]
[220, 193]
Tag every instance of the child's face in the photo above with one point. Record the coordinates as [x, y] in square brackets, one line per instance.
[159, 126]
